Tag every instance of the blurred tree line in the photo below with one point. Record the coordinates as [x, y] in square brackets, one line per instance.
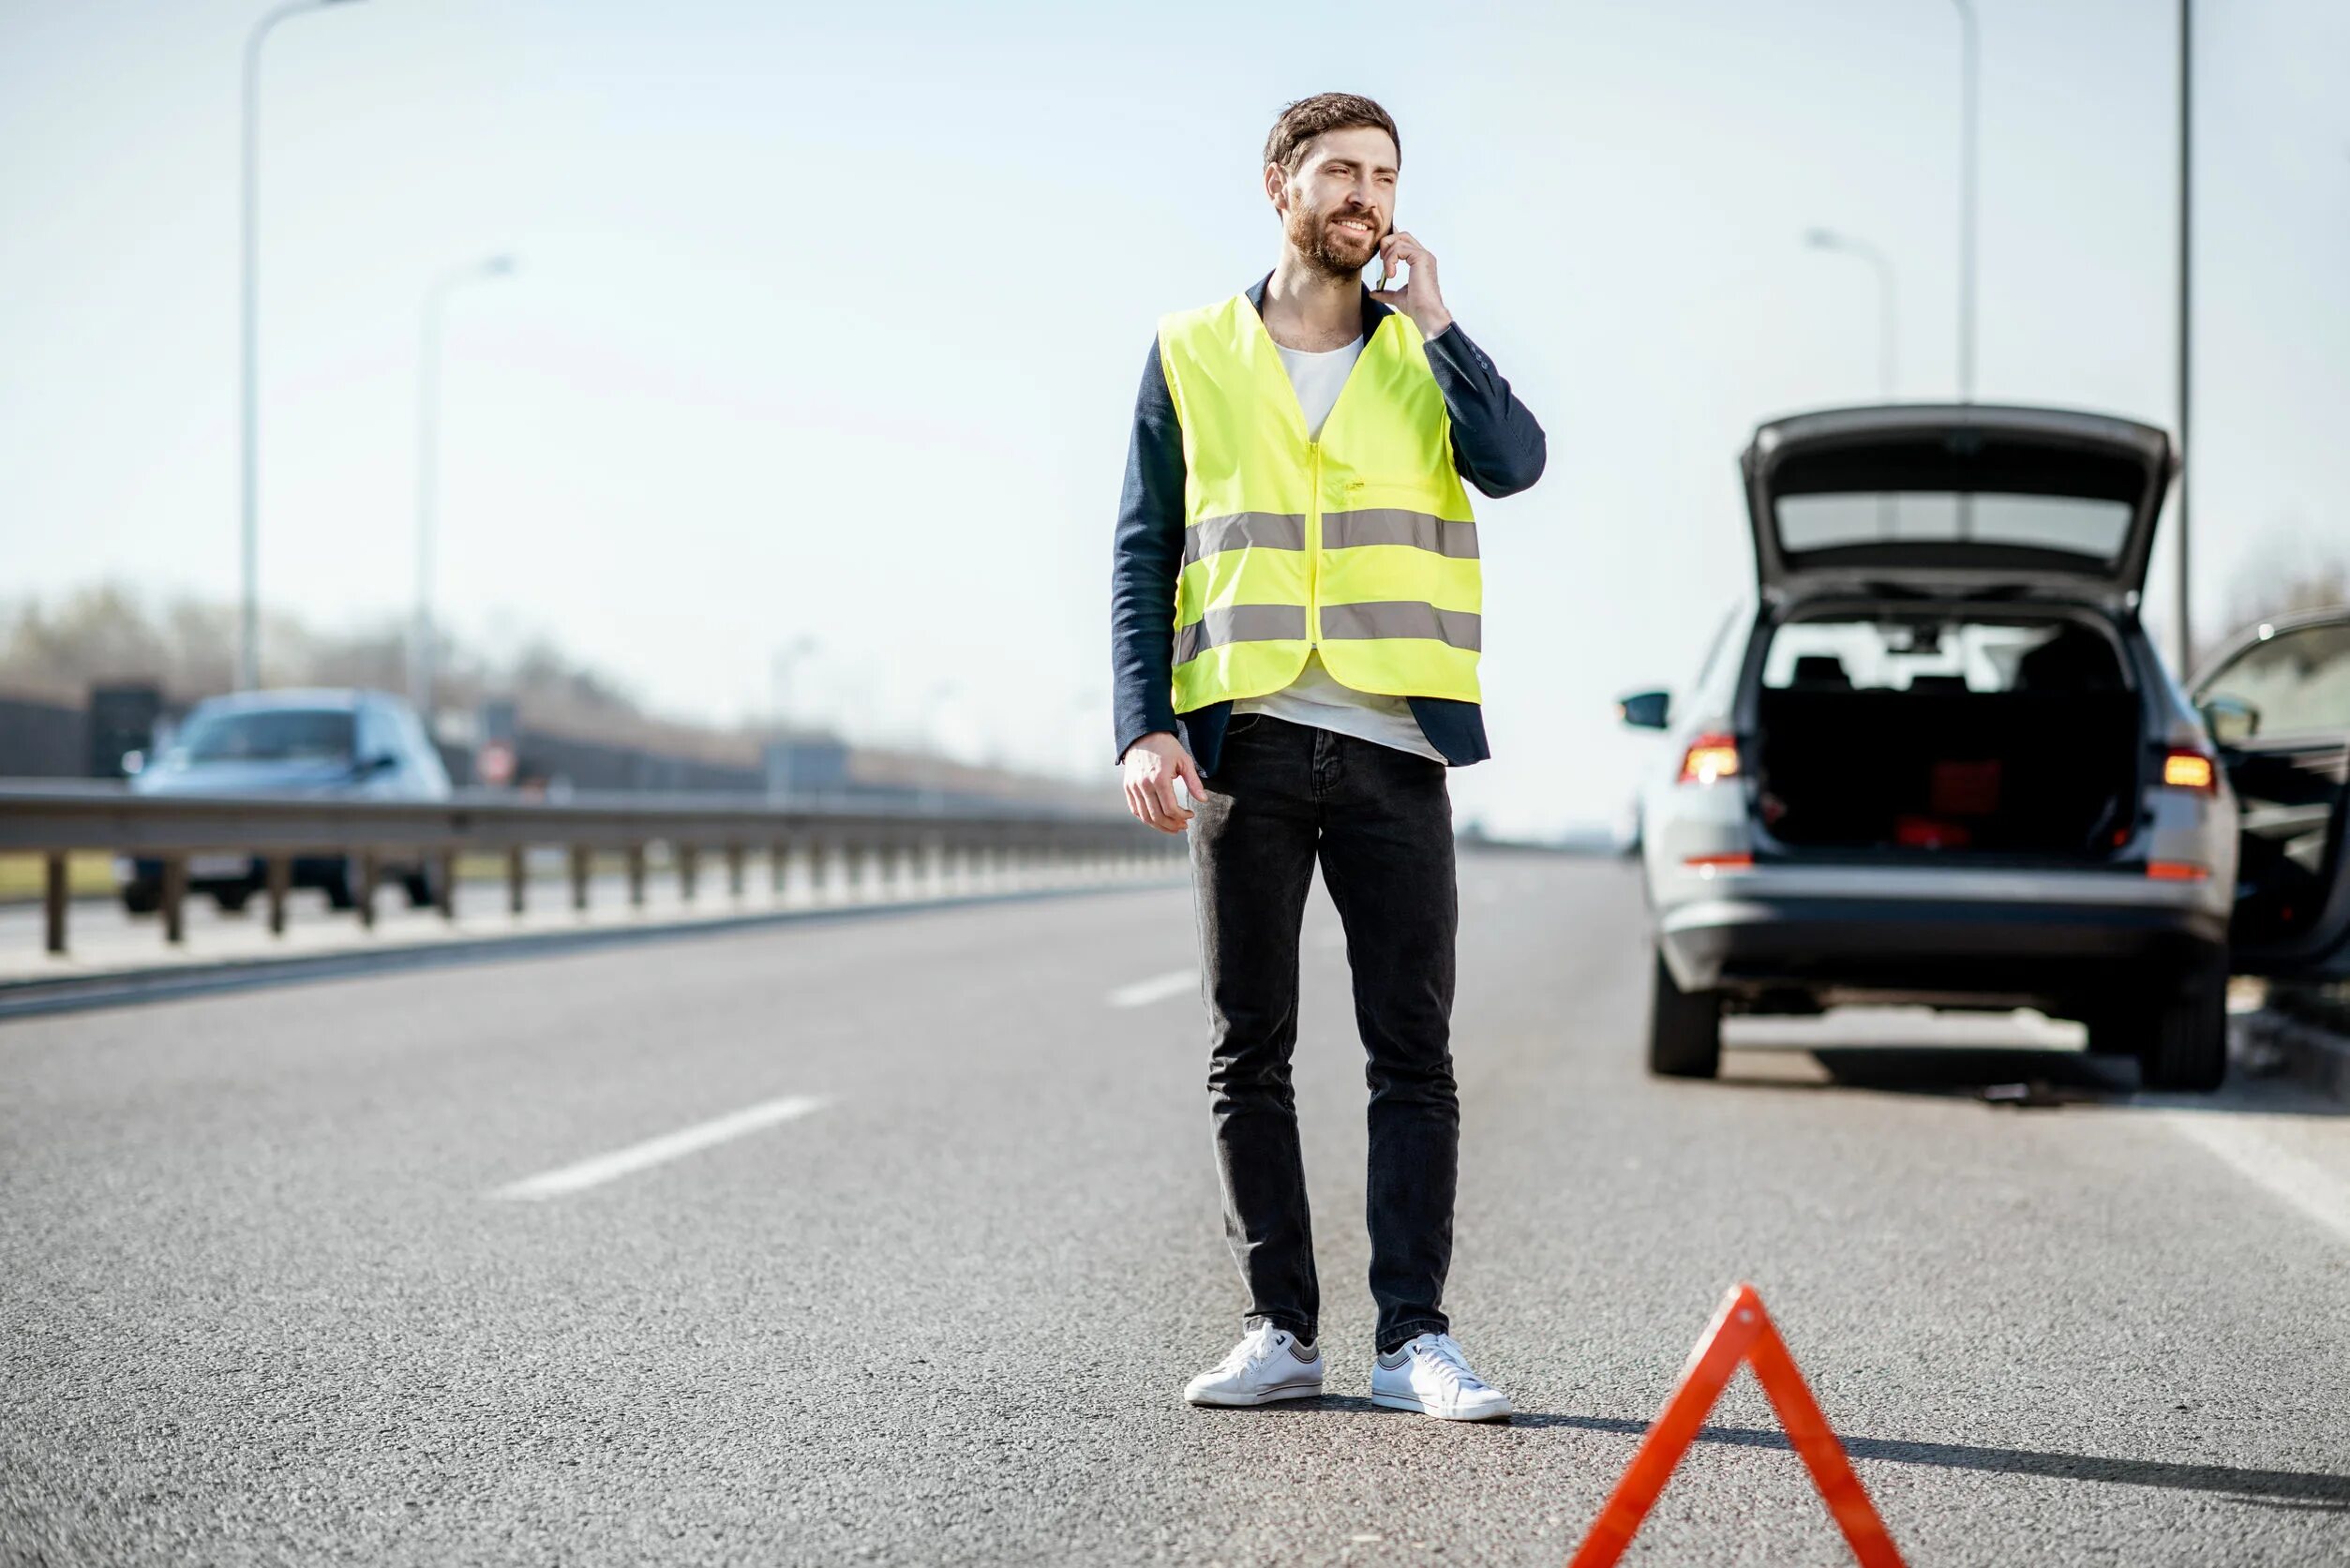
[57, 651]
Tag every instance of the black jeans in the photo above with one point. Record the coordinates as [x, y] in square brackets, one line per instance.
[1381, 822]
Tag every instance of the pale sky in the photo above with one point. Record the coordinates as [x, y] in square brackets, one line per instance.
[829, 320]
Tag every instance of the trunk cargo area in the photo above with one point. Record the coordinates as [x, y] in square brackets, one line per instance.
[1940, 769]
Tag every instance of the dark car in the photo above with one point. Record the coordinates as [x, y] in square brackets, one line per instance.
[353, 744]
[2277, 697]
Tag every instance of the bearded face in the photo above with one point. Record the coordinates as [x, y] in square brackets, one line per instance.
[1338, 238]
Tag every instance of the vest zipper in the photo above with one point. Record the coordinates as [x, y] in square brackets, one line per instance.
[1313, 555]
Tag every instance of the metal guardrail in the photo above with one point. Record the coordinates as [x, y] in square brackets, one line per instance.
[52, 822]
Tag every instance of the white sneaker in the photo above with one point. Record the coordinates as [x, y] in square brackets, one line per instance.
[1431, 1374]
[1265, 1366]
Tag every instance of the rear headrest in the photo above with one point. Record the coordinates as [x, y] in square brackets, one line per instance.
[2075, 659]
[1937, 684]
[1820, 669]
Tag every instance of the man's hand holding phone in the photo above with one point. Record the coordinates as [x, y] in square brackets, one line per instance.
[1418, 296]
[1152, 766]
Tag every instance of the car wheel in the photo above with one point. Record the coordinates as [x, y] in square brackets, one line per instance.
[342, 887]
[2182, 1043]
[1684, 1028]
[231, 899]
[142, 898]
[421, 888]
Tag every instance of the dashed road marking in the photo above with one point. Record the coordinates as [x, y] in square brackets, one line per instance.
[655, 1151]
[2307, 1186]
[1142, 993]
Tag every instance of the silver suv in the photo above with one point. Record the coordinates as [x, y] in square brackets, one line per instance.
[1936, 758]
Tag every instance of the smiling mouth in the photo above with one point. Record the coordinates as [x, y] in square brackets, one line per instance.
[1354, 225]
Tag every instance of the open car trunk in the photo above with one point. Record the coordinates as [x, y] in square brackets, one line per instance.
[1972, 739]
[1972, 498]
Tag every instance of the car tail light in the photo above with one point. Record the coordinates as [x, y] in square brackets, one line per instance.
[2184, 768]
[1706, 865]
[1712, 756]
[2177, 871]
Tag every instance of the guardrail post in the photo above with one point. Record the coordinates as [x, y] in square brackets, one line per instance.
[517, 878]
[778, 867]
[53, 902]
[820, 853]
[369, 872]
[444, 883]
[734, 871]
[579, 878]
[175, 898]
[637, 875]
[278, 873]
[689, 868]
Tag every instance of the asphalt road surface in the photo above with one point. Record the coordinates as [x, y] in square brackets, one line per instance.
[893, 1240]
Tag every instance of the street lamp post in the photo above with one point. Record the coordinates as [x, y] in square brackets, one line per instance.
[780, 670]
[249, 346]
[420, 650]
[1887, 326]
[934, 800]
[1970, 52]
[2186, 303]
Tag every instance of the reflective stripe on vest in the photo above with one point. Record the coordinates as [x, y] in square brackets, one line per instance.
[1360, 545]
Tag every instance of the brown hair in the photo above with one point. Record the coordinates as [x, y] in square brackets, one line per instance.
[1307, 118]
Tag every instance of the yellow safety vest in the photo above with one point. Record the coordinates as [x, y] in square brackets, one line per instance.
[1359, 545]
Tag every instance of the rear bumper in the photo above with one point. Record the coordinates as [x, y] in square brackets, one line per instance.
[2020, 951]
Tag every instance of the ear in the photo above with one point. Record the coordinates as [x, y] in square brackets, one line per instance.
[1277, 186]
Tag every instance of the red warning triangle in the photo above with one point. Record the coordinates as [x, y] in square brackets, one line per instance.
[1740, 1331]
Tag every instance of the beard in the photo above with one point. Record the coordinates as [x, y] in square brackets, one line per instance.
[1329, 250]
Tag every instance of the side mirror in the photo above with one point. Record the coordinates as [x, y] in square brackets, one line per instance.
[1645, 710]
[2231, 721]
[133, 762]
[368, 766]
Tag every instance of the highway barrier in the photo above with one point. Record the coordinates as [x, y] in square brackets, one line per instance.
[839, 847]
[1740, 1331]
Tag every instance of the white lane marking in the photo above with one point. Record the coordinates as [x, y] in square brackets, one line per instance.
[2308, 1187]
[653, 1151]
[1142, 993]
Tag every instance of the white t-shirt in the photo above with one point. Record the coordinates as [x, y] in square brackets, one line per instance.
[1315, 697]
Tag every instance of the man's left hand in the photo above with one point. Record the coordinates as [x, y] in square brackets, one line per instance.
[1418, 297]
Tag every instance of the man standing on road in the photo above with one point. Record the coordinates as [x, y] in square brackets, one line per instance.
[1294, 604]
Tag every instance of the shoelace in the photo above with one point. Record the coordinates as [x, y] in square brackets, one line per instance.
[1444, 1356]
[1254, 1347]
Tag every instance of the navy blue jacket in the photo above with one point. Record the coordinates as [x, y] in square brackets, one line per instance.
[1497, 446]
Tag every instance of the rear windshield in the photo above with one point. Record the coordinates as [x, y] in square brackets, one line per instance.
[269, 735]
[2072, 524]
[1919, 654]
[1959, 488]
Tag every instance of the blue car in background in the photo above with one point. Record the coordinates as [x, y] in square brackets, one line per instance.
[347, 743]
